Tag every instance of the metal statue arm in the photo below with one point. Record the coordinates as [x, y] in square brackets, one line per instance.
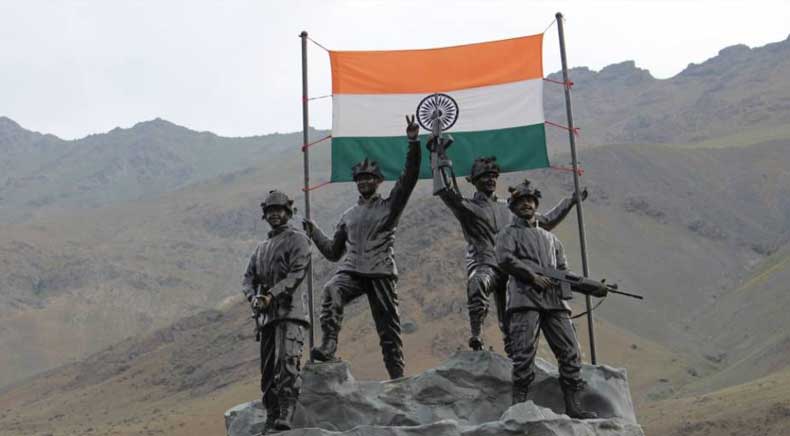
[453, 199]
[249, 284]
[333, 248]
[403, 188]
[557, 214]
[298, 260]
[508, 261]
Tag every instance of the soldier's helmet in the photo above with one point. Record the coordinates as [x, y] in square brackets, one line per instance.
[278, 198]
[523, 189]
[483, 165]
[367, 166]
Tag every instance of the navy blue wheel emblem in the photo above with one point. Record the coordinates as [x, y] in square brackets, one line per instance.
[437, 105]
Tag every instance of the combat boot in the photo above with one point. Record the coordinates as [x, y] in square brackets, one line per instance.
[520, 393]
[326, 351]
[475, 323]
[272, 413]
[573, 407]
[476, 343]
[287, 408]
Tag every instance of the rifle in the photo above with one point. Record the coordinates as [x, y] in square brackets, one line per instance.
[441, 165]
[569, 281]
[259, 315]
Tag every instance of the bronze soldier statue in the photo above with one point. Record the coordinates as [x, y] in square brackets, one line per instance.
[362, 242]
[273, 285]
[535, 303]
[481, 218]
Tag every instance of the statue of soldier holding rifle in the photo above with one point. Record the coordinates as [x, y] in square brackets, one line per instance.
[273, 285]
[536, 302]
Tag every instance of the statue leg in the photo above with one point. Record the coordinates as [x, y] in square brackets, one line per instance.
[559, 332]
[288, 380]
[477, 289]
[524, 329]
[338, 291]
[268, 363]
[499, 289]
[383, 300]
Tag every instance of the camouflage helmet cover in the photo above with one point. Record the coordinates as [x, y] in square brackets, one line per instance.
[483, 165]
[278, 198]
[521, 190]
[367, 166]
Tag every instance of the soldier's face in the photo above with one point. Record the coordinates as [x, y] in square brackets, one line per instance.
[276, 216]
[367, 184]
[525, 207]
[487, 183]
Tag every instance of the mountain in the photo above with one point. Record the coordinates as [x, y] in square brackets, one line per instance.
[123, 297]
[47, 175]
[740, 89]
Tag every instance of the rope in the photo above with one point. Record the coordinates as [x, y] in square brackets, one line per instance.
[579, 170]
[315, 186]
[317, 98]
[575, 129]
[568, 84]
[589, 311]
[304, 147]
[314, 42]
[553, 22]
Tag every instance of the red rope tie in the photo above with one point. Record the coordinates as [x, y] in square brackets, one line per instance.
[579, 170]
[304, 147]
[315, 186]
[568, 84]
[575, 129]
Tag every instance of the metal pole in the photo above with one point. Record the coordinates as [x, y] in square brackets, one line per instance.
[579, 214]
[305, 150]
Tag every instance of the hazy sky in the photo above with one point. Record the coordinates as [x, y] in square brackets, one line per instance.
[73, 68]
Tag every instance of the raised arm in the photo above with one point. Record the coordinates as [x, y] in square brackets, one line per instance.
[333, 248]
[552, 218]
[403, 188]
[453, 199]
[298, 261]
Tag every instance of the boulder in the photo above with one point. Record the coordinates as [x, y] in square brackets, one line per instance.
[470, 393]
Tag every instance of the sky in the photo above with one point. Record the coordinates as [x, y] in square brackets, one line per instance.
[74, 68]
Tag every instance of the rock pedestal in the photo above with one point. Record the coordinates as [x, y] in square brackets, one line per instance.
[469, 394]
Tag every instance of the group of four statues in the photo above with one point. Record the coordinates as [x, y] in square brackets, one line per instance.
[506, 243]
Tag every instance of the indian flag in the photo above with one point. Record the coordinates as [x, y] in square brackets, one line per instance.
[497, 87]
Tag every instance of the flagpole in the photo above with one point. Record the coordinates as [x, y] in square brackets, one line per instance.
[579, 214]
[306, 152]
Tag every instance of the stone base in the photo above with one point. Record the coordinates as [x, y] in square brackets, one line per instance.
[470, 393]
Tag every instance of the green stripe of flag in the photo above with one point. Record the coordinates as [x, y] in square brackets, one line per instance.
[516, 149]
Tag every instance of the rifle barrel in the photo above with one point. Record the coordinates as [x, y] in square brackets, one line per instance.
[638, 297]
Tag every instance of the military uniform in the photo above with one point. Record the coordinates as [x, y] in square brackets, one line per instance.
[363, 244]
[532, 310]
[481, 218]
[277, 269]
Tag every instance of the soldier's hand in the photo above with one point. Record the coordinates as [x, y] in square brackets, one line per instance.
[260, 302]
[412, 128]
[308, 226]
[583, 195]
[542, 283]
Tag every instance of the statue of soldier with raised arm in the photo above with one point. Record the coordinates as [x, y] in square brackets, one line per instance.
[273, 286]
[536, 303]
[363, 244]
[481, 218]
